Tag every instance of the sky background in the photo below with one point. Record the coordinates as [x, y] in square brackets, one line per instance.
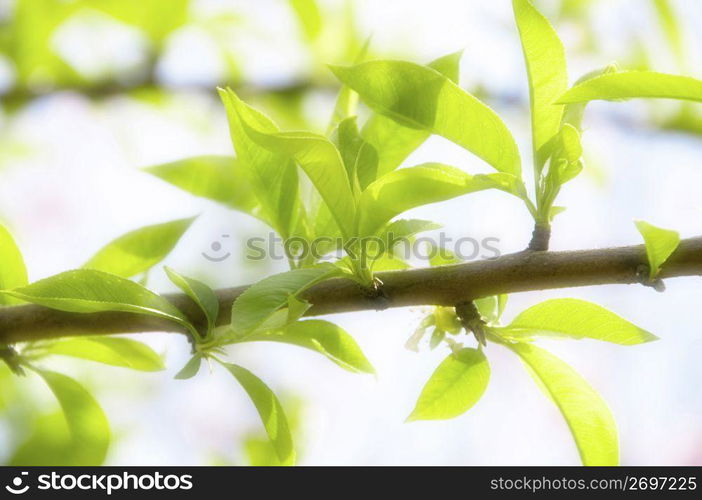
[70, 182]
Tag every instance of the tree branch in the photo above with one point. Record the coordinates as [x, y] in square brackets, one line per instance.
[446, 285]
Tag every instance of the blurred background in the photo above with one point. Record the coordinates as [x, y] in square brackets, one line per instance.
[93, 90]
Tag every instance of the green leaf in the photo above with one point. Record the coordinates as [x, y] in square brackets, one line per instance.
[261, 300]
[270, 410]
[422, 98]
[660, 244]
[80, 438]
[574, 318]
[491, 308]
[87, 291]
[115, 351]
[308, 14]
[218, 178]
[393, 141]
[548, 76]
[632, 84]
[671, 28]
[13, 272]
[201, 294]
[360, 158]
[316, 155]
[273, 177]
[190, 369]
[323, 337]
[412, 187]
[588, 417]
[456, 385]
[139, 250]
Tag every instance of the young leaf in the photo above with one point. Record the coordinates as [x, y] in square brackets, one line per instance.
[261, 300]
[273, 177]
[632, 84]
[190, 369]
[139, 250]
[308, 15]
[80, 438]
[115, 351]
[360, 158]
[548, 77]
[660, 244]
[315, 154]
[422, 98]
[201, 294]
[491, 308]
[574, 318]
[456, 385]
[87, 291]
[412, 187]
[322, 163]
[588, 417]
[13, 272]
[393, 141]
[270, 410]
[324, 337]
[218, 178]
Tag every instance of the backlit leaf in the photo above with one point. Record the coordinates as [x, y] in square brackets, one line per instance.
[660, 244]
[218, 178]
[80, 436]
[270, 410]
[456, 385]
[323, 337]
[139, 250]
[422, 98]
[632, 84]
[412, 187]
[13, 272]
[200, 293]
[393, 141]
[574, 318]
[261, 300]
[588, 417]
[548, 77]
[115, 351]
[88, 290]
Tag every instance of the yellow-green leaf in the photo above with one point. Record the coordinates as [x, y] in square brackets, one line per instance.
[218, 178]
[412, 187]
[200, 293]
[422, 98]
[632, 84]
[574, 318]
[88, 290]
[548, 77]
[263, 299]
[80, 436]
[139, 250]
[13, 272]
[456, 385]
[271, 411]
[588, 417]
[323, 337]
[115, 351]
[393, 141]
[660, 244]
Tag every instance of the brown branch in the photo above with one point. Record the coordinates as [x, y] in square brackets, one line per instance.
[447, 285]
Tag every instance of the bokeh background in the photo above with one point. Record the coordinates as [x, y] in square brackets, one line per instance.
[91, 91]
